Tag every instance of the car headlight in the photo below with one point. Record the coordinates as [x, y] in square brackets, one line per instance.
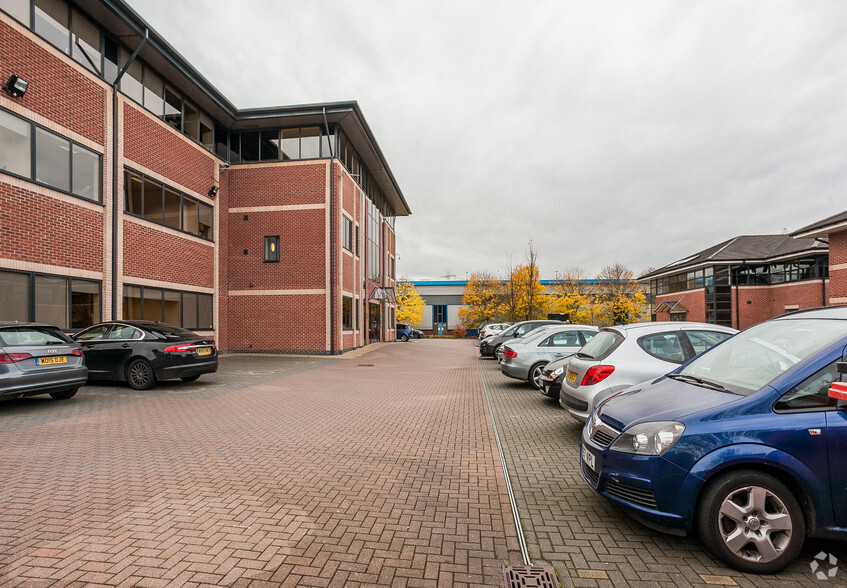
[649, 438]
[558, 371]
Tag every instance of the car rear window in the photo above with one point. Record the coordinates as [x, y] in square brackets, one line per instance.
[666, 346]
[14, 336]
[601, 345]
[170, 331]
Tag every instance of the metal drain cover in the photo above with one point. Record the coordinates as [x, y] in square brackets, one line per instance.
[529, 577]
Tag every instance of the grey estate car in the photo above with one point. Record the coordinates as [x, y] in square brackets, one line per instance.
[524, 359]
[39, 359]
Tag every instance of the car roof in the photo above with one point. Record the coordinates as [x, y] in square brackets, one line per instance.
[5, 324]
[664, 325]
[829, 312]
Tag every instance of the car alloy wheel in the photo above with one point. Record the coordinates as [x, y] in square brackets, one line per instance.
[536, 377]
[140, 375]
[752, 521]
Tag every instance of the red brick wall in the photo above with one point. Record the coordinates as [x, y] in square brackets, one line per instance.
[155, 254]
[277, 185]
[693, 300]
[40, 229]
[160, 149]
[302, 262]
[282, 323]
[838, 256]
[57, 90]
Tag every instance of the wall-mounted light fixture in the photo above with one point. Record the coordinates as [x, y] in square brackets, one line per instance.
[213, 191]
[16, 86]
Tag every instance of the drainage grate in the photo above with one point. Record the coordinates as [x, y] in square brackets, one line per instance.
[529, 577]
[366, 365]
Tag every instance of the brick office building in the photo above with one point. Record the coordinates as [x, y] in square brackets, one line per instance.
[834, 230]
[144, 193]
[743, 281]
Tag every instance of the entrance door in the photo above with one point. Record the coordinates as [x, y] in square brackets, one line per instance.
[374, 323]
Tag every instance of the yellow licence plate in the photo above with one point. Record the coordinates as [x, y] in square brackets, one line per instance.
[204, 351]
[571, 376]
[51, 360]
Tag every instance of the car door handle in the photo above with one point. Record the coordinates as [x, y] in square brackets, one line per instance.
[125, 345]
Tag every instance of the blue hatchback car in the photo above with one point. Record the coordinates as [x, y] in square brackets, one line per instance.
[745, 443]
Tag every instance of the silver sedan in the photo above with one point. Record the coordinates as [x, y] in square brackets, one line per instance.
[524, 359]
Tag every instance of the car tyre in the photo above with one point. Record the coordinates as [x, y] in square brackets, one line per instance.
[64, 395]
[190, 378]
[752, 522]
[494, 352]
[404, 338]
[534, 378]
[139, 375]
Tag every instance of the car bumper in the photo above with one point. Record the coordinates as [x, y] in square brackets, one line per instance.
[513, 371]
[579, 401]
[29, 384]
[186, 370]
[652, 489]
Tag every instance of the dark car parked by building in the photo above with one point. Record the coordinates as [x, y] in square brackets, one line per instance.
[142, 353]
[489, 346]
[404, 332]
[39, 359]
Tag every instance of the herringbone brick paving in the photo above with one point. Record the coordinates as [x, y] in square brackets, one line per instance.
[585, 537]
[376, 471]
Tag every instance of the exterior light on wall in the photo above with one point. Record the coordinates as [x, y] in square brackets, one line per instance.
[213, 191]
[16, 86]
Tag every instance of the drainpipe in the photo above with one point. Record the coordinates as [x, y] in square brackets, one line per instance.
[331, 239]
[115, 173]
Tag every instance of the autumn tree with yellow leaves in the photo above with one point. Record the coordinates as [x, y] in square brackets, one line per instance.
[482, 301]
[620, 297]
[410, 305]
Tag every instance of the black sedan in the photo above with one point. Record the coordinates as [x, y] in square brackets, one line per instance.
[143, 352]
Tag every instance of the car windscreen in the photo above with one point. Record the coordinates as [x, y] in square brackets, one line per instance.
[601, 345]
[751, 359]
[21, 336]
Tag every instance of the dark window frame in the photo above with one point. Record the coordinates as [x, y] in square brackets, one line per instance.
[182, 294]
[34, 127]
[271, 249]
[69, 280]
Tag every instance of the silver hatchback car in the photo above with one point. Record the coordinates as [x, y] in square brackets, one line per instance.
[524, 359]
[625, 355]
[39, 359]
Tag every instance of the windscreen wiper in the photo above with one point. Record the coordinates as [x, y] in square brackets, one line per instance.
[699, 382]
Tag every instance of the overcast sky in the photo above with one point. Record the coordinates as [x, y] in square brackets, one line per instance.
[633, 132]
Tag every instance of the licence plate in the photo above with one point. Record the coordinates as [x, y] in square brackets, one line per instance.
[588, 458]
[204, 351]
[571, 376]
[51, 360]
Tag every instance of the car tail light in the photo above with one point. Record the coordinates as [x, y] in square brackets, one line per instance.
[179, 348]
[597, 374]
[14, 357]
[77, 352]
[510, 354]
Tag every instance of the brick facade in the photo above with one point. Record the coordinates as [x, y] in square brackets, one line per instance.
[838, 267]
[286, 306]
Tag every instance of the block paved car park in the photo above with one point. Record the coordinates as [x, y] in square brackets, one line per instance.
[307, 471]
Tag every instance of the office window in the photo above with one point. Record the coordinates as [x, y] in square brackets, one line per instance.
[189, 310]
[290, 144]
[249, 146]
[51, 301]
[85, 48]
[171, 307]
[347, 313]
[347, 233]
[272, 249]
[132, 302]
[18, 9]
[205, 311]
[15, 136]
[191, 122]
[152, 194]
[111, 58]
[52, 21]
[154, 93]
[221, 143]
[52, 160]
[189, 216]
[310, 143]
[85, 303]
[172, 208]
[131, 82]
[14, 296]
[270, 146]
[205, 221]
[173, 108]
[206, 131]
[85, 173]
[133, 193]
